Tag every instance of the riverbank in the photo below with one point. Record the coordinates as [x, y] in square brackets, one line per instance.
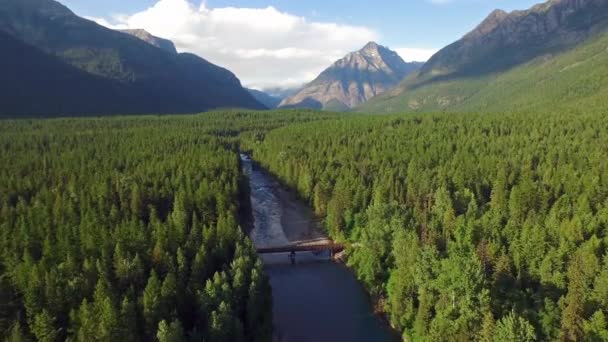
[314, 300]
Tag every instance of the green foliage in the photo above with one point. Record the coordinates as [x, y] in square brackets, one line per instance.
[43, 327]
[463, 226]
[575, 78]
[16, 334]
[170, 333]
[110, 227]
[513, 328]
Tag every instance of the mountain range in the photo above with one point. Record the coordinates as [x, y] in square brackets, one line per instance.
[353, 80]
[118, 73]
[551, 55]
[266, 98]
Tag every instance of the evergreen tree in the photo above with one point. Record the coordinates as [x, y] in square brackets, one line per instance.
[43, 327]
[513, 328]
[152, 302]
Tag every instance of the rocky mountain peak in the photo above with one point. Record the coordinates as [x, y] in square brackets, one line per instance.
[370, 47]
[354, 79]
[490, 23]
[546, 17]
[375, 50]
[504, 39]
[160, 43]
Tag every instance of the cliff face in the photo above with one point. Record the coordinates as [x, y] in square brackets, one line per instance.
[549, 56]
[504, 39]
[353, 79]
[160, 43]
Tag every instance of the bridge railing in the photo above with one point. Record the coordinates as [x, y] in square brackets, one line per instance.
[332, 247]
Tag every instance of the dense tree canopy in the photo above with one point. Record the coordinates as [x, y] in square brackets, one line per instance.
[463, 226]
[128, 229]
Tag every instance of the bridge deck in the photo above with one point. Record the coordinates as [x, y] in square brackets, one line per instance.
[333, 247]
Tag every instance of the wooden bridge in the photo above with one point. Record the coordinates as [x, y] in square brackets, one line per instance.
[332, 247]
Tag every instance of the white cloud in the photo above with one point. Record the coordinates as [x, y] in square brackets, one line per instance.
[415, 55]
[106, 23]
[262, 46]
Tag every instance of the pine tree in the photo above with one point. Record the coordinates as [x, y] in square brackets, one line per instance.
[513, 328]
[152, 302]
[43, 327]
[572, 316]
[16, 334]
[169, 294]
[170, 333]
[128, 321]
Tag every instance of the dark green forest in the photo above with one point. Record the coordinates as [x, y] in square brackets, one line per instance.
[126, 229]
[463, 227]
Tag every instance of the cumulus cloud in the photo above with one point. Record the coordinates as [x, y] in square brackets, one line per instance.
[264, 47]
[415, 55]
[106, 23]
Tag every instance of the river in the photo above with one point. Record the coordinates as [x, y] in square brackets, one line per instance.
[315, 299]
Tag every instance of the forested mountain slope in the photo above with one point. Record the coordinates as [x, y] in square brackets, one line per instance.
[464, 227]
[550, 56]
[36, 84]
[160, 81]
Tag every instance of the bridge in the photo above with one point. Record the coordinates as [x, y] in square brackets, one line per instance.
[332, 247]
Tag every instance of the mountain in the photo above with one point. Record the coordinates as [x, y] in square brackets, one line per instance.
[151, 80]
[36, 84]
[353, 79]
[519, 60]
[160, 43]
[264, 98]
[282, 92]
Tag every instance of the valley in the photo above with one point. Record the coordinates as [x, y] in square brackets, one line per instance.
[184, 171]
[314, 299]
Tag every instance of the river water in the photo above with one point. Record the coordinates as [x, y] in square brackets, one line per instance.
[315, 299]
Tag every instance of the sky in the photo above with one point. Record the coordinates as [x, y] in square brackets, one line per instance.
[285, 43]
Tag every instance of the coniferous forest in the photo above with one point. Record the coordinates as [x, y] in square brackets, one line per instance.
[464, 227]
[127, 229]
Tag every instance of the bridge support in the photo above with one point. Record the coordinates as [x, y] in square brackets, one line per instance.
[292, 257]
[332, 247]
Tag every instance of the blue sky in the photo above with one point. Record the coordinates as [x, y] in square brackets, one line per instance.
[415, 23]
[401, 25]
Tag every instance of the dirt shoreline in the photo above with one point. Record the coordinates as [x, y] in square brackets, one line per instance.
[298, 224]
[298, 221]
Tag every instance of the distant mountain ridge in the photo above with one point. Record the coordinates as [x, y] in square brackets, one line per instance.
[508, 57]
[160, 43]
[152, 80]
[353, 80]
[268, 100]
[504, 39]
